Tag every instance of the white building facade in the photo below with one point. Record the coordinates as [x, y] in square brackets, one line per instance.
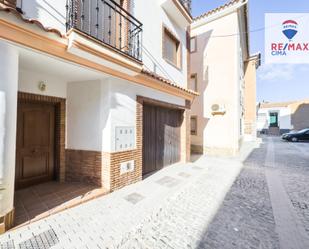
[219, 54]
[275, 118]
[80, 82]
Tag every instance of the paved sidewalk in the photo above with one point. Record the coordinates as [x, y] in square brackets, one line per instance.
[213, 203]
[109, 221]
[43, 200]
[267, 206]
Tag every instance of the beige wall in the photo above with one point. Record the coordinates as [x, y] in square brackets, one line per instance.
[250, 99]
[217, 63]
[292, 115]
[300, 115]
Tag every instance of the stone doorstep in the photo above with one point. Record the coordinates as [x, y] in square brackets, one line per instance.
[59, 208]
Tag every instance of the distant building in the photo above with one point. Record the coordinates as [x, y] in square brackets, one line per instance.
[277, 118]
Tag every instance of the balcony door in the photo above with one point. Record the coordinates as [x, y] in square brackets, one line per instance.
[106, 20]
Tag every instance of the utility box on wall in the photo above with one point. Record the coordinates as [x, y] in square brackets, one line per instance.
[125, 138]
[127, 167]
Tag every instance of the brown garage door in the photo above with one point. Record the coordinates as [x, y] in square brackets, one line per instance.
[161, 137]
[35, 144]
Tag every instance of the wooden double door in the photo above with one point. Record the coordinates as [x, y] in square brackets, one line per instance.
[161, 137]
[35, 144]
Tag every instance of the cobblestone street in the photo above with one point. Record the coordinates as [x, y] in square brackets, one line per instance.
[258, 200]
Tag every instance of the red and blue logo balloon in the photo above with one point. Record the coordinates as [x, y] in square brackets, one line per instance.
[290, 29]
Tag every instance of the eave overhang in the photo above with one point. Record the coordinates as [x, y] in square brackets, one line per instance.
[177, 12]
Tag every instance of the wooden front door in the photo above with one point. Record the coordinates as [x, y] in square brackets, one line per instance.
[161, 137]
[35, 144]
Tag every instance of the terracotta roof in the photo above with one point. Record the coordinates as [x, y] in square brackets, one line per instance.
[18, 14]
[282, 104]
[276, 104]
[218, 9]
[167, 81]
[225, 6]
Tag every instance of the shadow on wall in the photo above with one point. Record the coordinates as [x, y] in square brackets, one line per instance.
[155, 64]
[199, 65]
[204, 119]
[300, 117]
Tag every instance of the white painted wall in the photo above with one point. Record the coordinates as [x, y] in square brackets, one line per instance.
[122, 97]
[8, 85]
[52, 13]
[218, 65]
[29, 82]
[83, 115]
[96, 108]
[153, 22]
[284, 118]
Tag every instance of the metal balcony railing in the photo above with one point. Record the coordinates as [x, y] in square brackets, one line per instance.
[107, 22]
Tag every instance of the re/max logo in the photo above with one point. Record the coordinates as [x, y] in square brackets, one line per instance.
[282, 48]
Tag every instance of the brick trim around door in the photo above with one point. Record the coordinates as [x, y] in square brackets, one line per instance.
[60, 116]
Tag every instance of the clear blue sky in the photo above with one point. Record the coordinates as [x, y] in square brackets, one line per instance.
[275, 82]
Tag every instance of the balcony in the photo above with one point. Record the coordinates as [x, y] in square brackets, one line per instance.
[107, 22]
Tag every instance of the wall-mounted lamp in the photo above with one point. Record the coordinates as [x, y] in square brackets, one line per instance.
[42, 86]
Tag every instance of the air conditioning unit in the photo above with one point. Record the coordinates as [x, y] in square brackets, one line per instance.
[218, 109]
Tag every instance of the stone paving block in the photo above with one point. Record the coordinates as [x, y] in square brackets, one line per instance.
[224, 204]
[168, 181]
[134, 198]
[184, 174]
[197, 168]
[7, 245]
